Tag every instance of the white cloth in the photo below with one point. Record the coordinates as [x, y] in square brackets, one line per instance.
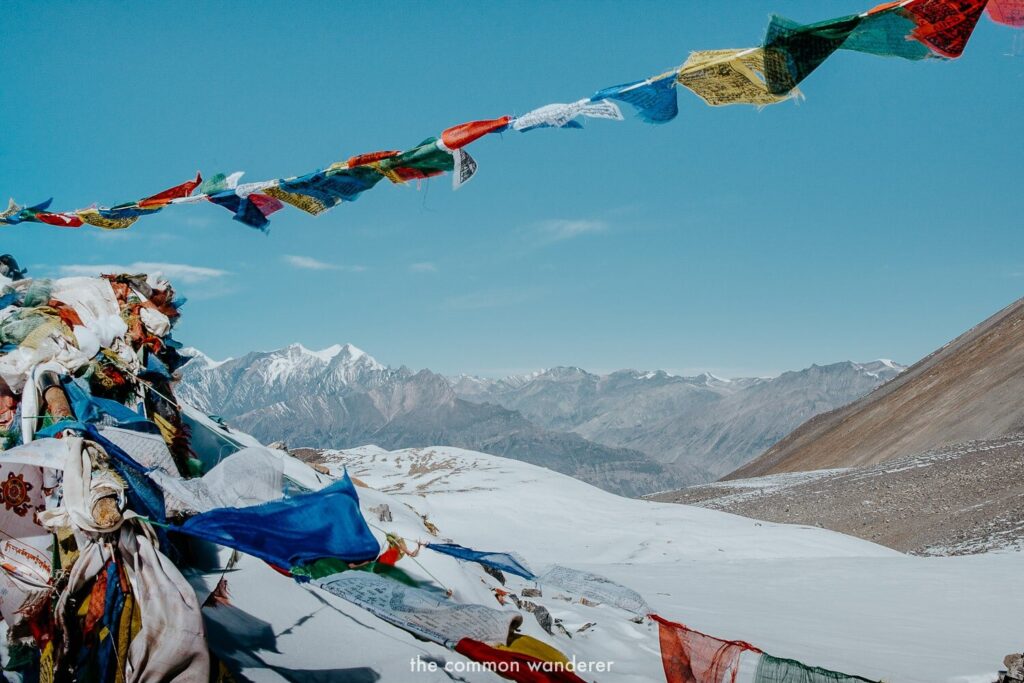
[559, 114]
[249, 477]
[172, 643]
[95, 303]
[155, 321]
[420, 612]
[594, 587]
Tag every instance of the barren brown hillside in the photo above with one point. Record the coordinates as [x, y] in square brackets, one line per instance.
[971, 388]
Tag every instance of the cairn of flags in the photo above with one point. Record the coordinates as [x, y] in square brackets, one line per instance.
[759, 76]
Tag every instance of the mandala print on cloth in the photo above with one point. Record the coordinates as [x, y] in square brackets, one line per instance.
[14, 493]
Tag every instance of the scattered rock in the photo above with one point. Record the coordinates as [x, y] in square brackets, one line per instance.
[382, 511]
[531, 593]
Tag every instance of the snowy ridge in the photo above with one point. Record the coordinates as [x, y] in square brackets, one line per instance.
[803, 592]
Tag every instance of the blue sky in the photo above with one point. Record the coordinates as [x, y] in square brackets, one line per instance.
[878, 218]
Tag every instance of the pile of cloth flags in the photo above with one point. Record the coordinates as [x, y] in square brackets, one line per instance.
[758, 76]
[106, 498]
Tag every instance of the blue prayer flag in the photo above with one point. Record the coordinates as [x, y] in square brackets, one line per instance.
[293, 531]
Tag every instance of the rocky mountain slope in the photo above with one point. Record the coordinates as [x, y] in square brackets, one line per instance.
[969, 389]
[341, 397]
[956, 500]
[716, 424]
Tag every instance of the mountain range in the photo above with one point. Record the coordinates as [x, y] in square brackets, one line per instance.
[628, 432]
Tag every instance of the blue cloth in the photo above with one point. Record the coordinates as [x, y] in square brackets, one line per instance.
[506, 562]
[655, 102]
[330, 188]
[292, 531]
[93, 410]
[245, 211]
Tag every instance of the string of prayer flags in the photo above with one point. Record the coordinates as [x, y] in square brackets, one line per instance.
[759, 76]
[654, 99]
[1007, 12]
[723, 77]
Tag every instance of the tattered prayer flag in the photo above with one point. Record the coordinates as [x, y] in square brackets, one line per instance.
[595, 588]
[220, 182]
[1008, 12]
[322, 190]
[310, 205]
[885, 31]
[776, 670]
[465, 168]
[792, 50]
[506, 562]
[176, 192]
[368, 158]
[430, 615]
[517, 666]
[96, 218]
[422, 161]
[12, 209]
[252, 209]
[465, 133]
[564, 115]
[722, 77]
[654, 99]
[690, 656]
[291, 531]
[61, 220]
[945, 25]
[21, 214]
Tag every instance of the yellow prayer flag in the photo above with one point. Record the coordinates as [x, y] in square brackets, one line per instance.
[721, 77]
[95, 218]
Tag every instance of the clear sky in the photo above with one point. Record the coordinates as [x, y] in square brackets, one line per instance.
[879, 218]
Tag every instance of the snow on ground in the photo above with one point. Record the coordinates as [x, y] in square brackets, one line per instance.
[821, 597]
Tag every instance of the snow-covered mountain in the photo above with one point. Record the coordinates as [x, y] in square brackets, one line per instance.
[704, 421]
[629, 431]
[341, 397]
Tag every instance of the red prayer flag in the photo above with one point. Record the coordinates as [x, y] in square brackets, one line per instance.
[516, 666]
[945, 26]
[465, 133]
[690, 656]
[61, 220]
[265, 203]
[176, 192]
[1008, 12]
[371, 157]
